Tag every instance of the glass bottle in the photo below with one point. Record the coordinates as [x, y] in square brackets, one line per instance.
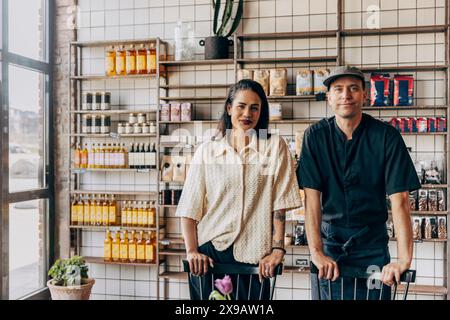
[77, 156]
[140, 217]
[142, 60]
[74, 212]
[80, 211]
[124, 247]
[92, 210]
[120, 61]
[91, 157]
[151, 59]
[125, 156]
[105, 211]
[123, 214]
[84, 156]
[130, 215]
[86, 213]
[107, 156]
[131, 60]
[134, 218]
[107, 247]
[150, 251]
[98, 211]
[112, 209]
[116, 247]
[111, 62]
[132, 247]
[145, 214]
[152, 216]
[140, 248]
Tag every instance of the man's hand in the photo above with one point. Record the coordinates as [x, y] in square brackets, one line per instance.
[268, 263]
[328, 268]
[391, 272]
[198, 263]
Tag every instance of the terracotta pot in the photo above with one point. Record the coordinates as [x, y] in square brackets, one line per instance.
[81, 292]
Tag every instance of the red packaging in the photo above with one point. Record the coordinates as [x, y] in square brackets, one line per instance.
[403, 90]
[395, 123]
[379, 90]
[422, 124]
[405, 125]
[441, 124]
[413, 124]
[432, 124]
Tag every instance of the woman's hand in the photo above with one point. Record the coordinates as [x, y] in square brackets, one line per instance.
[268, 263]
[198, 263]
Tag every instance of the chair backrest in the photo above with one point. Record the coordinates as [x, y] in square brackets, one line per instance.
[355, 275]
[238, 271]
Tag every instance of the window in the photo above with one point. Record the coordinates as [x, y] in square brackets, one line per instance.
[26, 177]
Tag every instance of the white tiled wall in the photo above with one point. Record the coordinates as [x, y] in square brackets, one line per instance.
[138, 19]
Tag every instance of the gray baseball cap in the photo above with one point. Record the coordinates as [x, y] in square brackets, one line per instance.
[343, 71]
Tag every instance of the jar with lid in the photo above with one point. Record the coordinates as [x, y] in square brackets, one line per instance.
[96, 101]
[152, 127]
[120, 128]
[132, 118]
[86, 123]
[141, 118]
[128, 128]
[137, 128]
[86, 101]
[105, 126]
[145, 128]
[105, 103]
[96, 124]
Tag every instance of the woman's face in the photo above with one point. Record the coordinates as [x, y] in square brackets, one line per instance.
[245, 110]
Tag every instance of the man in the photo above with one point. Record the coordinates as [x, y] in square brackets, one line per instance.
[347, 165]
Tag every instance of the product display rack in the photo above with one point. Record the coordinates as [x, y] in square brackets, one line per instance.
[240, 61]
[75, 136]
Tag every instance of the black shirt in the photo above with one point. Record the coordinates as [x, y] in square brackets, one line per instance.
[355, 175]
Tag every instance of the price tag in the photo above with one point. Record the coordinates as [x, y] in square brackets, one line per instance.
[114, 229]
[114, 135]
[143, 170]
[165, 242]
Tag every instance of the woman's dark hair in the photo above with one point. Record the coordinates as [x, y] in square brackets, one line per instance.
[245, 84]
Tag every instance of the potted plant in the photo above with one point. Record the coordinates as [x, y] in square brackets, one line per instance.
[216, 47]
[70, 280]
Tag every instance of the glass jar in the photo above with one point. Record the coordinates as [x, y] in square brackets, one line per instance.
[96, 124]
[152, 127]
[120, 128]
[132, 118]
[141, 118]
[96, 101]
[145, 128]
[86, 124]
[86, 101]
[105, 126]
[105, 103]
[128, 128]
[137, 128]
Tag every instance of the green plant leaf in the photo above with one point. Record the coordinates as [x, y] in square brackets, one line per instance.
[68, 272]
[237, 18]
[215, 295]
[216, 6]
[226, 16]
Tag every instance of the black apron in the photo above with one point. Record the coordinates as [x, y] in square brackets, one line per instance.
[363, 248]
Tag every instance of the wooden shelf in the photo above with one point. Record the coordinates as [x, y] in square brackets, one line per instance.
[287, 60]
[405, 108]
[107, 135]
[113, 112]
[394, 31]
[105, 77]
[415, 288]
[196, 62]
[195, 86]
[427, 213]
[295, 269]
[99, 260]
[433, 186]
[174, 275]
[424, 133]
[170, 241]
[122, 193]
[287, 35]
[172, 252]
[114, 43]
[404, 68]
[423, 240]
[104, 228]
[80, 170]
[192, 98]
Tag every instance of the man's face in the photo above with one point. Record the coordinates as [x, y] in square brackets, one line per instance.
[346, 97]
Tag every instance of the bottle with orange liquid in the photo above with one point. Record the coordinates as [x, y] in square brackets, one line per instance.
[120, 61]
[116, 247]
[142, 60]
[107, 249]
[151, 59]
[132, 247]
[124, 247]
[131, 60]
[111, 62]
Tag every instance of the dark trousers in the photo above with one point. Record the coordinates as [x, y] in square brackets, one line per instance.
[247, 288]
[365, 249]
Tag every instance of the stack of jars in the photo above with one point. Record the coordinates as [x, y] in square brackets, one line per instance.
[137, 124]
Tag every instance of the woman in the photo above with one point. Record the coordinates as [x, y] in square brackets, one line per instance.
[237, 190]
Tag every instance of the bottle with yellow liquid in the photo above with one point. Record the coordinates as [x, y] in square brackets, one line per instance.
[86, 213]
[151, 59]
[152, 216]
[77, 156]
[105, 211]
[110, 63]
[142, 59]
[123, 214]
[74, 212]
[145, 214]
[134, 217]
[131, 60]
[150, 249]
[92, 211]
[107, 248]
[124, 161]
[130, 214]
[124, 247]
[132, 247]
[112, 209]
[91, 157]
[84, 157]
[98, 211]
[116, 247]
[120, 61]
[141, 248]
[141, 212]
[80, 211]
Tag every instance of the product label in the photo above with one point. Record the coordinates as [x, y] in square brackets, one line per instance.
[129, 217]
[134, 219]
[112, 215]
[74, 214]
[115, 251]
[80, 215]
[131, 63]
[91, 159]
[141, 63]
[151, 218]
[140, 218]
[86, 215]
[105, 217]
[149, 252]
[123, 218]
[107, 159]
[141, 252]
[152, 160]
[110, 65]
[145, 219]
[132, 252]
[131, 160]
[99, 215]
[107, 251]
[120, 64]
[123, 251]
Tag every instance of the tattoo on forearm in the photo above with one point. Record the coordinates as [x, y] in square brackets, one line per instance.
[280, 215]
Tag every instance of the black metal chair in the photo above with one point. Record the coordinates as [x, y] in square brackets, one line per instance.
[238, 273]
[356, 277]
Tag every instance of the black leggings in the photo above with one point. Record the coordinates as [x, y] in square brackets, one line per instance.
[246, 282]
